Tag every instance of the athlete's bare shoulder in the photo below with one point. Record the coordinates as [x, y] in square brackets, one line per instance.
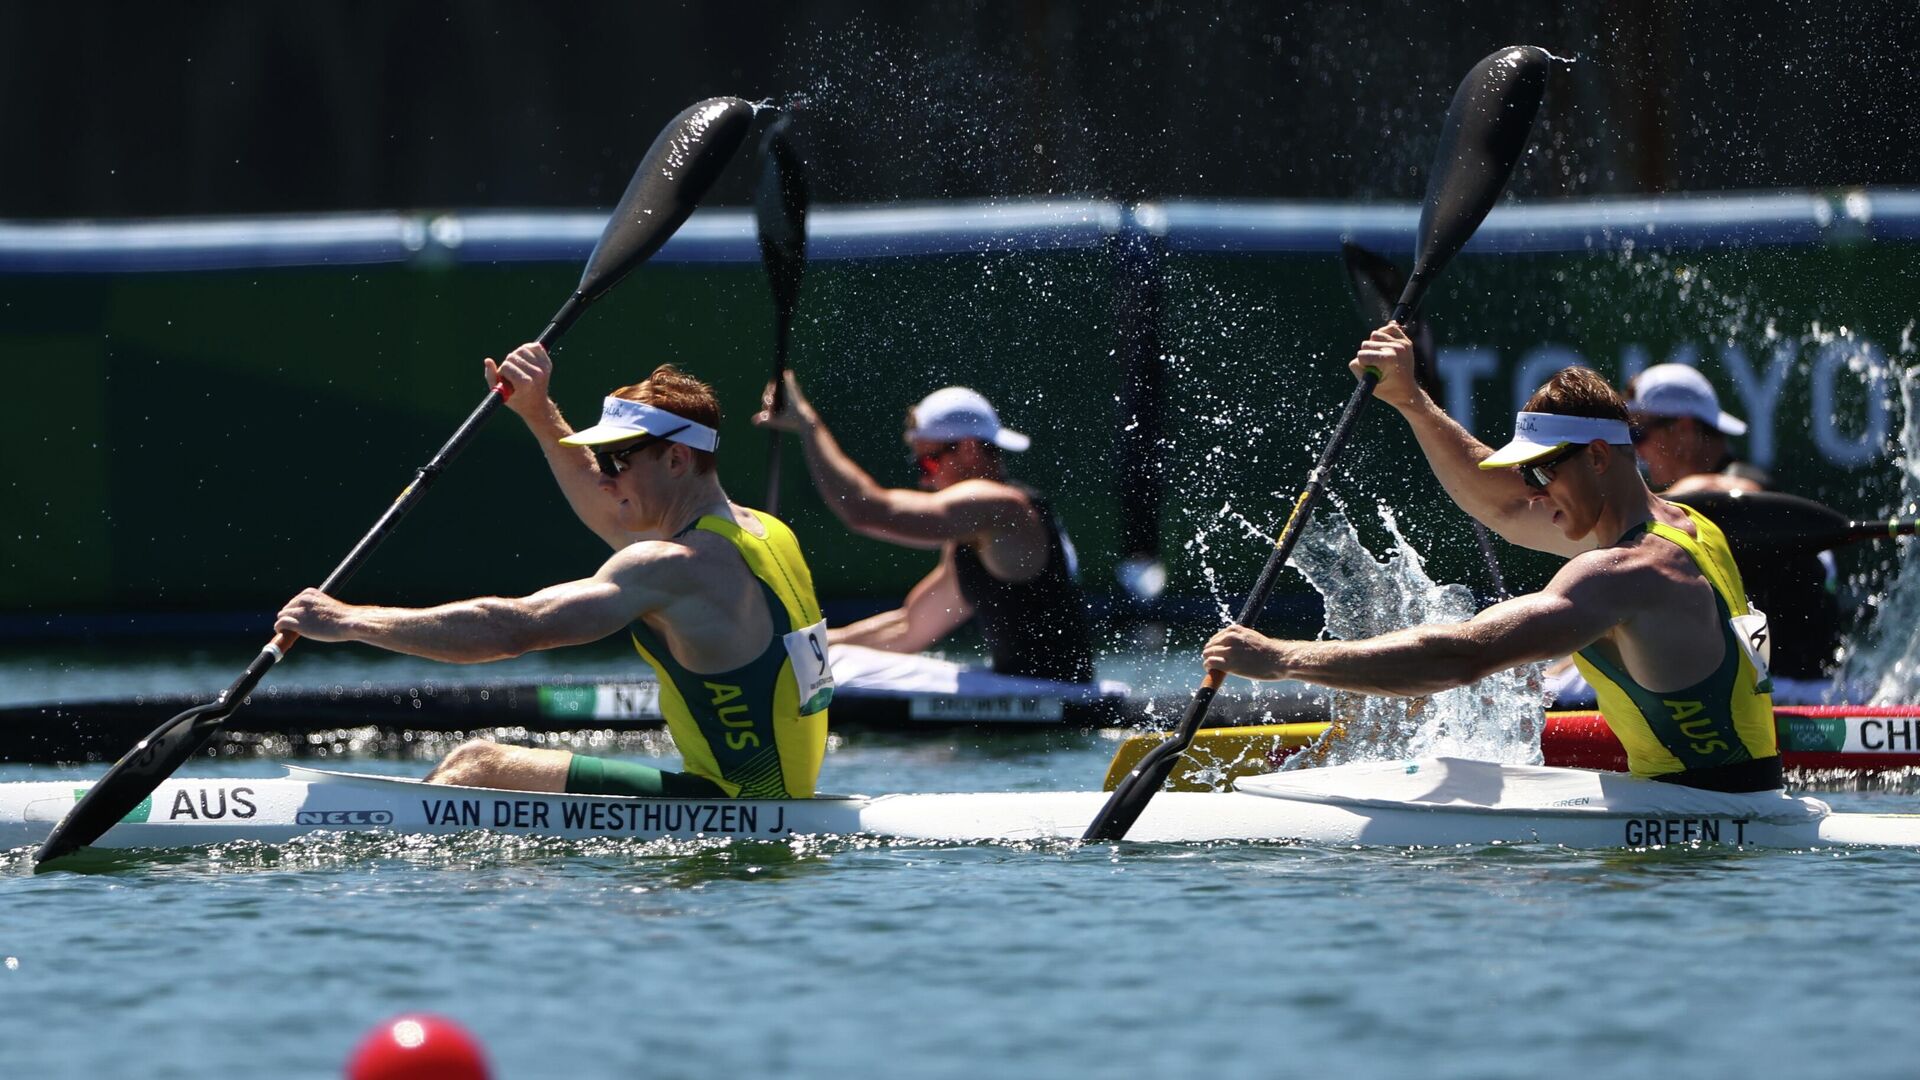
[747, 520]
[646, 559]
[1631, 566]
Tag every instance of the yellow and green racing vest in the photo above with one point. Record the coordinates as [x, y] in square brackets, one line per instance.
[1725, 719]
[760, 730]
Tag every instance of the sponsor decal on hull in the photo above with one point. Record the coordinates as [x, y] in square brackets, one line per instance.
[343, 818]
[141, 811]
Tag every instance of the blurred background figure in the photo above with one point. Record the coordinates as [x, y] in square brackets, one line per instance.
[1005, 558]
[418, 1046]
[1680, 432]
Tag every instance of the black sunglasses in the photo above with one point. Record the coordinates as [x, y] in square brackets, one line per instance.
[1538, 474]
[614, 462]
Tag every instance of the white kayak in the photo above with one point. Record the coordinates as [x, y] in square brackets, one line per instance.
[1427, 803]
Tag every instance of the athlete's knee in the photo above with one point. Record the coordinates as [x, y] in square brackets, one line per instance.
[475, 763]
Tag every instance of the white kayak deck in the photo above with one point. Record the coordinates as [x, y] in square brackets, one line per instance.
[1430, 802]
[873, 672]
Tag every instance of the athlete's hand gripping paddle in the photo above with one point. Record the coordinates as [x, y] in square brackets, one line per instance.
[677, 171]
[1486, 130]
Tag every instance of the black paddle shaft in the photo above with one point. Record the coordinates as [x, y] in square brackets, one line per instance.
[780, 214]
[1770, 523]
[1485, 132]
[678, 169]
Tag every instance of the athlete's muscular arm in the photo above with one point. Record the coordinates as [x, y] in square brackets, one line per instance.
[1581, 603]
[528, 370]
[925, 519]
[969, 510]
[932, 610]
[634, 582]
[1497, 497]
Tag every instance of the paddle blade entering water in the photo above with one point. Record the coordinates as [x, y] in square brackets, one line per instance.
[131, 780]
[676, 173]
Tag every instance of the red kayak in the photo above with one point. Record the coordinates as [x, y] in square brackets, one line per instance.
[1811, 737]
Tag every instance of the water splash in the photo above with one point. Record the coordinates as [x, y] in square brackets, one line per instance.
[1498, 718]
[1882, 666]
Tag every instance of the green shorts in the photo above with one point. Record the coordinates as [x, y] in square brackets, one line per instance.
[598, 776]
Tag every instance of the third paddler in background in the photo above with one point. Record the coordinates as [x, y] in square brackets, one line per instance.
[716, 597]
[1649, 602]
[1680, 433]
[1683, 437]
[1004, 556]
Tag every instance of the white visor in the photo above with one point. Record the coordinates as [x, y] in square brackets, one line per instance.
[1537, 434]
[621, 420]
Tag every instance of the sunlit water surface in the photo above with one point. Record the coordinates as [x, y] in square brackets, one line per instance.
[847, 958]
[842, 958]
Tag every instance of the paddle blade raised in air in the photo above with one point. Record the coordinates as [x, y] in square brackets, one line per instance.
[679, 168]
[1485, 134]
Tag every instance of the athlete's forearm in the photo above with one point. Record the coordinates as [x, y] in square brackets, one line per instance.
[1405, 663]
[464, 632]
[848, 490]
[889, 631]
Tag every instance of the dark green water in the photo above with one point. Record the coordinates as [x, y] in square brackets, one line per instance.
[856, 959]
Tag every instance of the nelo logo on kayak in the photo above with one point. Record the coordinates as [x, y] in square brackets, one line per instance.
[343, 817]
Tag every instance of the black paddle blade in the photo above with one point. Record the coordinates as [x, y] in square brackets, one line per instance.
[780, 209]
[1765, 522]
[1486, 131]
[132, 780]
[679, 168]
[1376, 282]
[1136, 789]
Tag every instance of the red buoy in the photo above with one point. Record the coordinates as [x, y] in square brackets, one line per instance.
[418, 1046]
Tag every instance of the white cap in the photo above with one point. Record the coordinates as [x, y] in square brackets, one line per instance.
[1679, 390]
[1537, 434]
[956, 413]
